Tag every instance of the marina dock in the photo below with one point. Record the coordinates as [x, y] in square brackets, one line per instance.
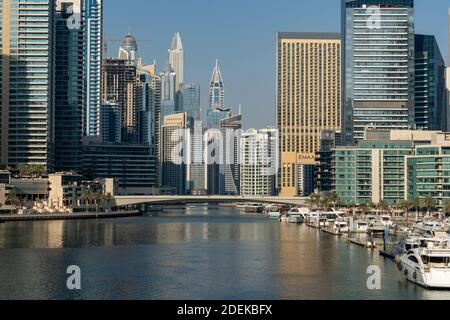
[71, 216]
[334, 233]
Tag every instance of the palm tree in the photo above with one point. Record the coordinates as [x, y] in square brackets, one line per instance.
[406, 205]
[365, 207]
[12, 199]
[429, 203]
[98, 195]
[85, 197]
[447, 208]
[383, 206]
[334, 199]
[416, 205]
[315, 201]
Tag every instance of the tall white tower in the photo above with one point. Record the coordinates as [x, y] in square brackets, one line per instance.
[176, 59]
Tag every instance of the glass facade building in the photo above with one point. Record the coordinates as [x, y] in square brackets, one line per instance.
[431, 111]
[27, 82]
[394, 166]
[69, 91]
[190, 102]
[378, 71]
[93, 20]
[429, 173]
[371, 172]
[214, 116]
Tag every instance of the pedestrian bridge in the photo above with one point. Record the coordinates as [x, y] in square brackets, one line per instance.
[121, 201]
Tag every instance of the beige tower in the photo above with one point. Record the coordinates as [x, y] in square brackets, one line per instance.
[308, 99]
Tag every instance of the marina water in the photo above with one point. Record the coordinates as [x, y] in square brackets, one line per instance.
[192, 252]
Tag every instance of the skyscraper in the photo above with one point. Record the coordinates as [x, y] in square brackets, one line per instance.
[447, 74]
[378, 70]
[431, 112]
[27, 90]
[173, 151]
[123, 87]
[69, 91]
[190, 102]
[93, 18]
[176, 59]
[196, 166]
[150, 119]
[230, 173]
[129, 51]
[168, 92]
[308, 100]
[258, 155]
[111, 123]
[216, 89]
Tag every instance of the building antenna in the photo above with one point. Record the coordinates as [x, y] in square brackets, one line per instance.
[240, 109]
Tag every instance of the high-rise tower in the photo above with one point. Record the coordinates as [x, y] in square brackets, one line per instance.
[216, 89]
[93, 19]
[308, 100]
[69, 98]
[430, 111]
[378, 70]
[27, 86]
[176, 59]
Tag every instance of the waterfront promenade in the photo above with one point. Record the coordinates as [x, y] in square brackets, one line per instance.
[71, 216]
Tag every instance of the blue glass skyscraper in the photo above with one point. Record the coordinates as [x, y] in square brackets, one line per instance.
[190, 102]
[431, 111]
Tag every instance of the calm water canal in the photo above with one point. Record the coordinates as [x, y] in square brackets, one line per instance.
[196, 252]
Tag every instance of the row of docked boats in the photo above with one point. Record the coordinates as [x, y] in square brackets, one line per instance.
[332, 219]
[423, 256]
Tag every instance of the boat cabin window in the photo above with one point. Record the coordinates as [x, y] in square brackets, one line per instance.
[436, 261]
[413, 259]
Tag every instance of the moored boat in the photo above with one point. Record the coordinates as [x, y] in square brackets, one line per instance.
[428, 264]
[254, 208]
[341, 226]
[360, 226]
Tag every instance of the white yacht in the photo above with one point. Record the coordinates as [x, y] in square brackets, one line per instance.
[386, 220]
[341, 226]
[360, 226]
[429, 232]
[298, 215]
[427, 264]
[376, 227]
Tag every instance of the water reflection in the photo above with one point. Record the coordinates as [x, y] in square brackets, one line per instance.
[196, 252]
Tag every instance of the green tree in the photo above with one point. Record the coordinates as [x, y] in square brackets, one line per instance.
[98, 196]
[447, 208]
[334, 199]
[383, 206]
[315, 201]
[86, 196]
[406, 205]
[12, 199]
[429, 203]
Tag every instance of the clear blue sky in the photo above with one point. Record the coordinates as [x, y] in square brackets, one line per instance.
[241, 33]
